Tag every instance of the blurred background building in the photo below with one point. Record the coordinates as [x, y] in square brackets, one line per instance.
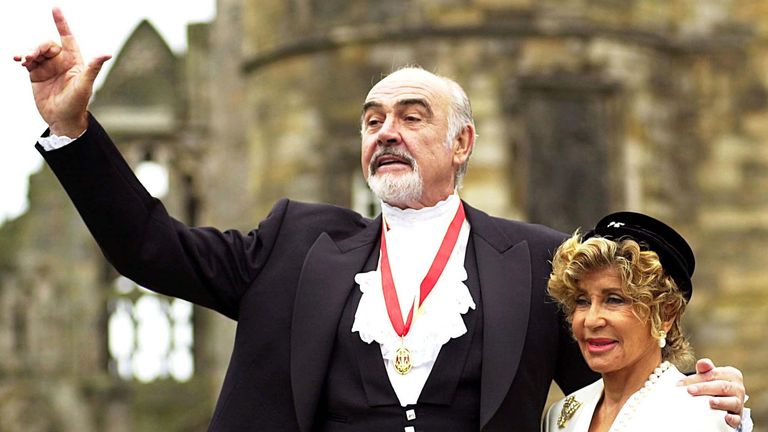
[582, 107]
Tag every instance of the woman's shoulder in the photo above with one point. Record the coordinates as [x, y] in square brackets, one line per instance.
[679, 410]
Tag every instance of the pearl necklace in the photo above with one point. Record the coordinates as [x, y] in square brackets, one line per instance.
[634, 401]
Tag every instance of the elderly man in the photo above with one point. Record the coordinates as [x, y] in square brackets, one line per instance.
[430, 317]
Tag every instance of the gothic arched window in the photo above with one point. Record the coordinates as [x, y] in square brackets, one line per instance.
[150, 336]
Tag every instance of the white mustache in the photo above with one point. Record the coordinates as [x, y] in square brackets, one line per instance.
[389, 151]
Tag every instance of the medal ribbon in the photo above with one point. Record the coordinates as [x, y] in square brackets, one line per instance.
[429, 281]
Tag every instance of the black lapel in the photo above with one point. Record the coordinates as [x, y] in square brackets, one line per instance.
[326, 279]
[505, 282]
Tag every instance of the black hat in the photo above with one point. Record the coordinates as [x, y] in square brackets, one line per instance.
[675, 254]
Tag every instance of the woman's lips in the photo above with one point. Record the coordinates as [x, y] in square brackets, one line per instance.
[598, 345]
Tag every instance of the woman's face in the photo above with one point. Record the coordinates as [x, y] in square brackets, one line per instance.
[611, 337]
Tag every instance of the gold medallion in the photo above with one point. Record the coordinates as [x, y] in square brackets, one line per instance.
[403, 362]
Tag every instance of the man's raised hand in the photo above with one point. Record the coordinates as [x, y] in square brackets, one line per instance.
[61, 82]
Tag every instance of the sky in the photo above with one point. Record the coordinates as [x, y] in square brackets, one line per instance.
[101, 27]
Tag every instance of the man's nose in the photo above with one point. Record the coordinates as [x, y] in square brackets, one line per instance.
[388, 134]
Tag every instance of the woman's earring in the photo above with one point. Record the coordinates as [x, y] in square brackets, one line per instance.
[662, 339]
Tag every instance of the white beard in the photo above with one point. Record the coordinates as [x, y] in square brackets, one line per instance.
[397, 189]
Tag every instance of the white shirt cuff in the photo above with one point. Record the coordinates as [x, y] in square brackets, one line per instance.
[53, 142]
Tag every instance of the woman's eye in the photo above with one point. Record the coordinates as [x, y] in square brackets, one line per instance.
[582, 301]
[614, 299]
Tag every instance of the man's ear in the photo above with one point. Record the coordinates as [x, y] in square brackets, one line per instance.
[463, 144]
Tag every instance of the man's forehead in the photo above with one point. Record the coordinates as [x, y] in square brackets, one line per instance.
[411, 85]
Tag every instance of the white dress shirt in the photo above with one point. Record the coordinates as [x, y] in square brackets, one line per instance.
[413, 238]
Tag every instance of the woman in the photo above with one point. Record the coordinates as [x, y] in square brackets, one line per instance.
[624, 287]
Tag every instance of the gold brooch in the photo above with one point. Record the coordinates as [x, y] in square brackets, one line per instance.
[569, 409]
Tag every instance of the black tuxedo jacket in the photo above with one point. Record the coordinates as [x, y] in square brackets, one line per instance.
[287, 281]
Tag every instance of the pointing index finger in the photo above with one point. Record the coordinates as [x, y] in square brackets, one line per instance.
[61, 23]
[68, 42]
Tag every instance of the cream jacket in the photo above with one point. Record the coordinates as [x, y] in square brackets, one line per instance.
[665, 407]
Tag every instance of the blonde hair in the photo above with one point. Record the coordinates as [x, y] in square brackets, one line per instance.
[654, 294]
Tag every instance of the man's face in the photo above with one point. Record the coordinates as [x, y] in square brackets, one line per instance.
[405, 157]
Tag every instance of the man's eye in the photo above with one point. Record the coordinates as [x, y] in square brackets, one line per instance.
[373, 122]
[412, 119]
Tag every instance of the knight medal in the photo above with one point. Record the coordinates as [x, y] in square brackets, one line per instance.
[403, 362]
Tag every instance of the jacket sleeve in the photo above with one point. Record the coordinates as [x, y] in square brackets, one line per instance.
[138, 237]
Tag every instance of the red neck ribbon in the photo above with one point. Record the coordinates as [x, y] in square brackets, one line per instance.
[435, 270]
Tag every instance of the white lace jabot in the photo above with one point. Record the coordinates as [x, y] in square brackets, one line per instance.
[413, 238]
